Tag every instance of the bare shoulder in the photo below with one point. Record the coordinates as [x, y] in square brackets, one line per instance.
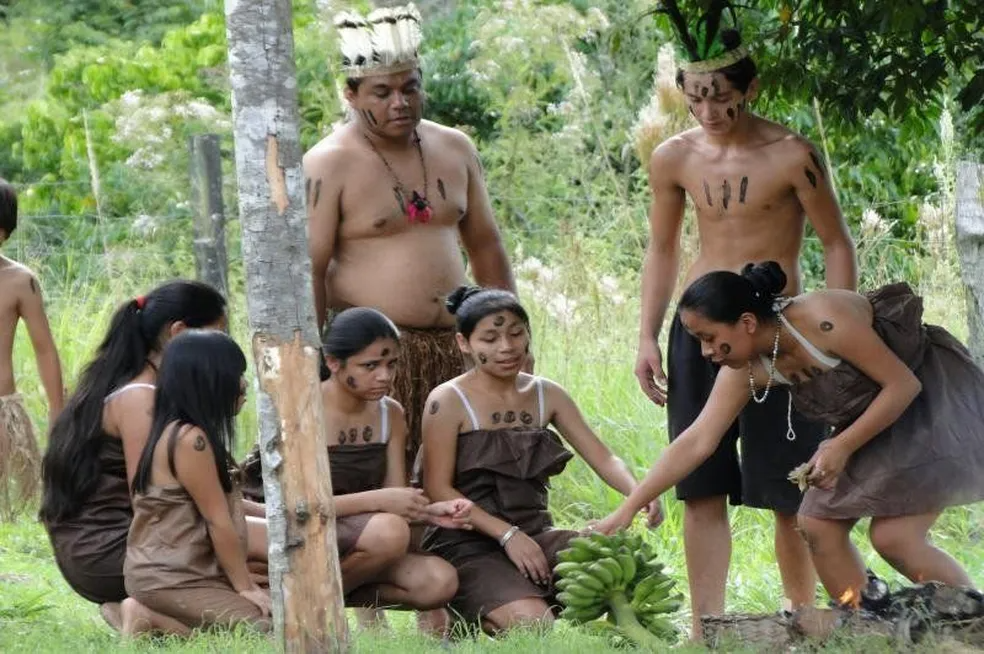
[395, 408]
[444, 400]
[192, 440]
[446, 137]
[334, 151]
[17, 279]
[789, 144]
[821, 311]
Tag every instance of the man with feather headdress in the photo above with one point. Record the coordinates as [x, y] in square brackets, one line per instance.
[752, 184]
[391, 198]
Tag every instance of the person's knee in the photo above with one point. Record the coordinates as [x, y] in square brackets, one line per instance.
[812, 530]
[531, 612]
[386, 537]
[437, 585]
[890, 542]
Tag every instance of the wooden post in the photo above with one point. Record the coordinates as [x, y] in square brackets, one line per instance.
[970, 245]
[305, 580]
[211, 264]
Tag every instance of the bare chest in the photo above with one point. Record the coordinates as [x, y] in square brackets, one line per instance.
[383, 201]
[739, 190]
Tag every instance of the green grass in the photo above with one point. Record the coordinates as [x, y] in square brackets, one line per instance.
[591, 355]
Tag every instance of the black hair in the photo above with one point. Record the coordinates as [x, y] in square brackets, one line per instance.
[470, 304]
[199, 384]
[8, 207]
[353, 330]
[741, 73]
[70, 469]
[723, 296]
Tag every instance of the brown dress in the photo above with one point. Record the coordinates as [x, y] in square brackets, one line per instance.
[506, 472]
[90, 546]
[932, 457]
[355, 469]
[171, 566]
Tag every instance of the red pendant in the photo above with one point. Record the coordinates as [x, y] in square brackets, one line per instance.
[419, 209]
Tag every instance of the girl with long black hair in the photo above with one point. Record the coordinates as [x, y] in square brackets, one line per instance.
[188, 544]
[96, 441]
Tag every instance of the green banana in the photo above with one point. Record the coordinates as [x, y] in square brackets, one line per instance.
[628, 565]
[582, 615]
[575, 555]
[564, 569]
[567, 599]
[589, 581]
[601, 573]
[643, 588]
[667, 605]
[577, 590]
[657, 593]
[612, 566]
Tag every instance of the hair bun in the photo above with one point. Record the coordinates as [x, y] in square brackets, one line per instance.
[730, 38]
[767, 279]
[458, 296]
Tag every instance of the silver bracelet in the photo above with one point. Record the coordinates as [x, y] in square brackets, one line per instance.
[506, 536]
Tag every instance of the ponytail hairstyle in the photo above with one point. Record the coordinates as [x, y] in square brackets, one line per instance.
[469, 304]
[70, 469]
[723, 296]
[199, 384]
[352, 331]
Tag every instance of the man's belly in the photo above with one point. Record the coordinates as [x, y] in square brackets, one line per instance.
[409, 285]
[730, 259]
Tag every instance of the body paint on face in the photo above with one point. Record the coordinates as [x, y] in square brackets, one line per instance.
[385, 352]
[742, 189]
[707, 194]
[440, 188]
[826, 326]
[482, 358]
[499, 321]
[367, 434]
[726, 193]
[731, 113]
[811, 177]
[350, 380]
[725, 349]
[510, 416]
[369, 118]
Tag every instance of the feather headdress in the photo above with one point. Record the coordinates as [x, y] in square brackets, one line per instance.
[701, 45]
[384, 42]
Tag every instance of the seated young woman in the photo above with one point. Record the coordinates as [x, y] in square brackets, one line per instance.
[96, 441]
[367, 435]
[905, 400]
[487, 438]
[188, 542]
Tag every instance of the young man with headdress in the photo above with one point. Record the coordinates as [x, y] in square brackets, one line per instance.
[751, 183]
[390, 197]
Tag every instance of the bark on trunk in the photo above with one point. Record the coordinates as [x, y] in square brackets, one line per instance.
[211, 263]
[305, 581]
[970, 245]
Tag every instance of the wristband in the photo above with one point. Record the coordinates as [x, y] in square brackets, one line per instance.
[508, 535]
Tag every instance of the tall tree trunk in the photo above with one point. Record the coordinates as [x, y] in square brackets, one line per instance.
[211, 263]
[305, 581]
[970, 245]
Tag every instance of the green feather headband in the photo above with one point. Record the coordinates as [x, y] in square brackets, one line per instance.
[701, 46]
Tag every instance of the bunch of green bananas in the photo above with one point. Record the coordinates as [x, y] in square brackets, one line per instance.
[619, 576]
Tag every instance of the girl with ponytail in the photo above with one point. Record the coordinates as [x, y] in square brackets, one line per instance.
[904, 399]
[96, 441]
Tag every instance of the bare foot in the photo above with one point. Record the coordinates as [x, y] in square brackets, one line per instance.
[112, 614]
[136, 618]
[434, 623]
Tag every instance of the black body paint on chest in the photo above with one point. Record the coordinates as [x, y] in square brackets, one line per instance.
[811, 176]
[726, 193]
[440, 188]
[707, 194]
[742, 189]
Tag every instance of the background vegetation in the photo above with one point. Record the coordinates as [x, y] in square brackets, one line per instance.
[98, 98]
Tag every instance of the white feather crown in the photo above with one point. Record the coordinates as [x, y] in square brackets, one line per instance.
[384, 42]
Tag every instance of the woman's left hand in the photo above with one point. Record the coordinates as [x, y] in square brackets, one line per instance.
[450, 514]
[616, 521]
[827, 464]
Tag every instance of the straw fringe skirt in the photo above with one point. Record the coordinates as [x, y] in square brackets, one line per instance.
[20, 460]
